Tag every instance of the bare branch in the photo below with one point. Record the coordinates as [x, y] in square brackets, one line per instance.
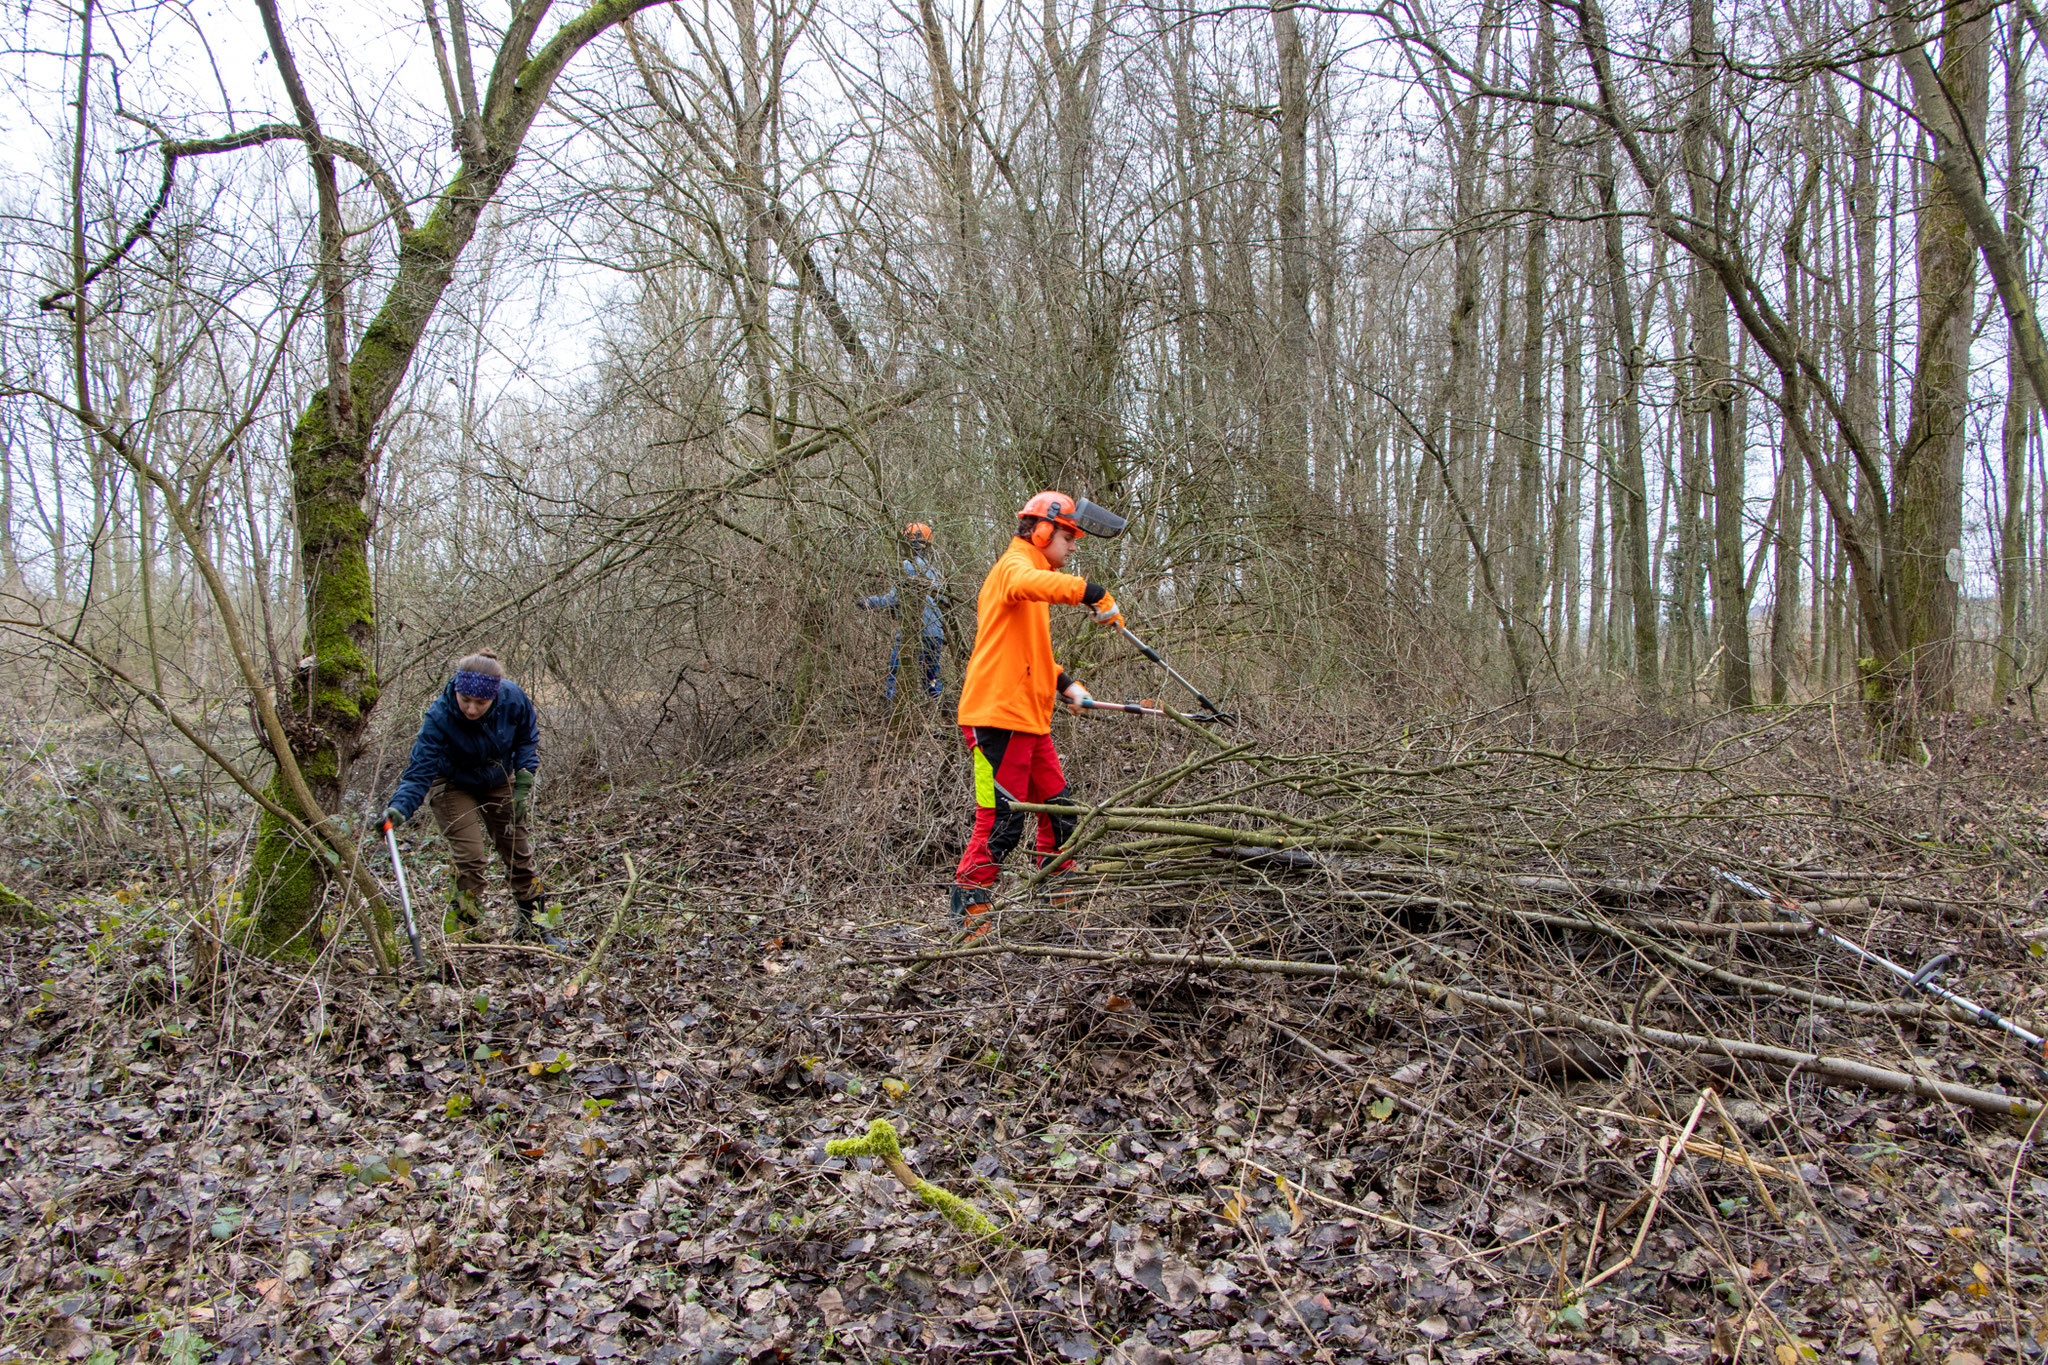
[458, 125]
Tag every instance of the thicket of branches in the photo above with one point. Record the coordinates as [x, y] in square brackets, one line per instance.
[1447, 354]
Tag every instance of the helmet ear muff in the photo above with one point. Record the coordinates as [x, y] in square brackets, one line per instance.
[1041, 534]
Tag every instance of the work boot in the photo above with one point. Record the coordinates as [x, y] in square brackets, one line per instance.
[971, 901]
[459, 925]
[536, 921]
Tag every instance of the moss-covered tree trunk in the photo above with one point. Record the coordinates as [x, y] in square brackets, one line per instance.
[329, 708]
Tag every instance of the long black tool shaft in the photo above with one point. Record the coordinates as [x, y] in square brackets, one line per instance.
[1134, 709]
[1919, 981]
[1127, 707]
[1154, 655]
[412, 931]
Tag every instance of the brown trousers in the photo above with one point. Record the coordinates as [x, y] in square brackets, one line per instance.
[465, 820]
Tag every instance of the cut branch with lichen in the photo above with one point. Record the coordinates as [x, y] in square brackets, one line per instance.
[881, 1143]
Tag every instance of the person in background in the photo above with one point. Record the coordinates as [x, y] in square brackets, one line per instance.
[475, 761]
[1012, 683]
[921, 582]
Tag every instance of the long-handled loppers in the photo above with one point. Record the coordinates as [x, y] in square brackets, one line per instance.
[1925, 979]
[1216, 713]
[412, 931]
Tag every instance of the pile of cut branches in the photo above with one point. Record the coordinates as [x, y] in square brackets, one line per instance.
[1570, 894]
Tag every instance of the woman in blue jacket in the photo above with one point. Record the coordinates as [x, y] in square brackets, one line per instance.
[474, 762]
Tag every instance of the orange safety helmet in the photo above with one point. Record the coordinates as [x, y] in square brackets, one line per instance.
[1054, 508]
[918, 533]
[1047, 510]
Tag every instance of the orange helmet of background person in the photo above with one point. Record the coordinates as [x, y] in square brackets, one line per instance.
[1052, 508]
[919, 532]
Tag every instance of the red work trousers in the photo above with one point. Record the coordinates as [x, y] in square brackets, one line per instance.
[1010, 765]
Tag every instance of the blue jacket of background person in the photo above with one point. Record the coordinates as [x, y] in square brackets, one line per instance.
[476, 756]
[920, 575]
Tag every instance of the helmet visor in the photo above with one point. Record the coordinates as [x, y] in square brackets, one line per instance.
[1097, 521]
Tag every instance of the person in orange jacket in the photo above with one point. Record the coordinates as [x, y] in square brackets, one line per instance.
[1013, 682]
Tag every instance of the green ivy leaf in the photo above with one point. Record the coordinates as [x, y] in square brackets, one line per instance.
[1381, 1108]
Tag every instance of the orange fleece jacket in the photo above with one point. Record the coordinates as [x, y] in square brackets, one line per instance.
[1012, 680]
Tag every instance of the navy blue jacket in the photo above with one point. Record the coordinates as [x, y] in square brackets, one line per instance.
[477, 756]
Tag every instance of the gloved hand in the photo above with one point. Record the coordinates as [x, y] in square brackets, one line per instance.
[1075, 695]
[390, 817]
[522, 794]
[1096, 598]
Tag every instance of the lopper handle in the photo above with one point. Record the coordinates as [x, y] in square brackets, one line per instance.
[412, 931]
[1132, 708]
[1216, 713]
[1142, 647]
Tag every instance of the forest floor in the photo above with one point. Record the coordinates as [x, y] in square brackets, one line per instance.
[227, 1160]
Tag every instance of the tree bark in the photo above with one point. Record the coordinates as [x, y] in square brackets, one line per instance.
[1565, 584]
[1525, 532]
[1927, 471]
[1706, 182]
[1599, 634]
[2019, 395]
[1631, 481]
[1290, 219]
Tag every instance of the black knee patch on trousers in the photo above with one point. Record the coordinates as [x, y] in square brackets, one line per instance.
[1062, 825]
[1005, 832]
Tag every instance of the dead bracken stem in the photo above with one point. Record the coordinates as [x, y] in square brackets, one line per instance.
[1668, 1152]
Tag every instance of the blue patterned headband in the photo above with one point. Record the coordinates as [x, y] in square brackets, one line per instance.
[476, 684]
